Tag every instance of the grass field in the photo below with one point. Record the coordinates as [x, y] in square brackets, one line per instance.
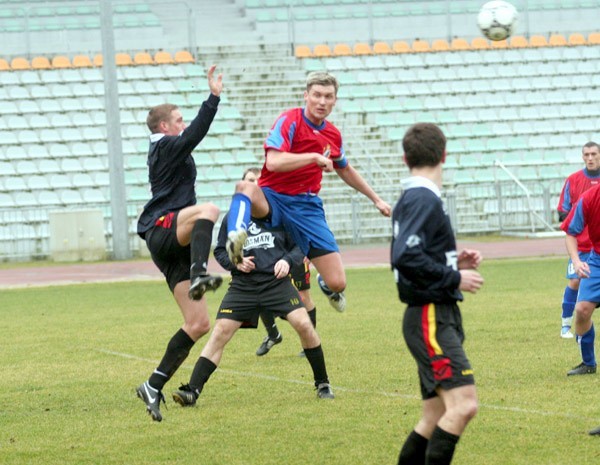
[71, 357]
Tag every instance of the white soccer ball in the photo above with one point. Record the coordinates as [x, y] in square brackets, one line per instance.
[497, 19]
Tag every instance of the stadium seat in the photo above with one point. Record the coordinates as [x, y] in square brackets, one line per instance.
[459, 43]
[381, 48]
[302, 51]
[183, 56]
[123, 59]
[82, 61]
[499, 43]
[519, 42]
[342, 50]
[322, 50]
[143, 58]
[401, 46]
[4, 66]
[362, 48]
[61, 61]
[557, 39]
[577, 39]
[594, 38]
[162, 58]
[40, 63]
[98, 60]
[538, 41]
[420, 45]
[479, 43]
[440, 45]
[19, 63]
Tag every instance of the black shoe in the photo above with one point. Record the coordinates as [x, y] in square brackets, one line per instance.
[202, 283]
[582, 369]
[268, 343]
[595, 432]
[151, 398]
[185, 396]
[324, 391]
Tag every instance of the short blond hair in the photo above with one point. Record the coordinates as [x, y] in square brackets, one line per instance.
[322, 78]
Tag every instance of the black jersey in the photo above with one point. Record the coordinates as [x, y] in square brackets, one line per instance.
[423, 252]
[171, 167]
[266, 244]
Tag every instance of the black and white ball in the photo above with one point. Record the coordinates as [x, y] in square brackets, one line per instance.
[497, 19]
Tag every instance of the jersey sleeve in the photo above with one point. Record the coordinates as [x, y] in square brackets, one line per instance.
[574, 224]
[281, 134]
[564, 202]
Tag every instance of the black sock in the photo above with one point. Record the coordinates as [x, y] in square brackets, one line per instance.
[177, 351]
[441, 447]
[269, 321]
[317, 363]
[202, 371]
[200, 246]
[312, 314]
[413, 450]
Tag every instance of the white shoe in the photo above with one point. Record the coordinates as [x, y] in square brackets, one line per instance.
[336, 299]
[565, 332]
[235, 245]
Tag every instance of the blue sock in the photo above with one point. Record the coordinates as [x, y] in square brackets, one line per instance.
[587, 347]
[239, 212]
[569, 301]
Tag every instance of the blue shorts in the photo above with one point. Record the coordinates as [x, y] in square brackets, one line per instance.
[589, 288]
[303, 218]
[583, 256]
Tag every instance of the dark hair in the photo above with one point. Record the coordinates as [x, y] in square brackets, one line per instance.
[424, 144]
[159, 113]
[253, 169]
[591, 144]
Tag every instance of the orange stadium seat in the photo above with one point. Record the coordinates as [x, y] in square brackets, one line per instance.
[4, 66]
[163, 58]
[479, 43]
[440, 45]
[183, 56]
[362, 48]
[557, 40]
[61, 61]
[82, 61]
[458, 43]
[381, 47]
[322, 50]
[98, 60]
[143, 58]
[576, 39]
[538, 41]
[401, 46]
[19, 63]
[499, 43]
[302, 51]
[594, 38]
[420, 45]
[342, 50]
[519, 42]
[123, 59]
[40, 63]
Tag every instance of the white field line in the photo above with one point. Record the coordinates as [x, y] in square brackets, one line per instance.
[359, 391]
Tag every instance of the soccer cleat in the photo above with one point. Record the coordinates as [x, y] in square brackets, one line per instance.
[151, 398]
[336, 299]
[565, 332]
[202, 283]
[185, 396]
[324, 391]
[595, 431]
[268, 343]
[582, 369]
[235, 245]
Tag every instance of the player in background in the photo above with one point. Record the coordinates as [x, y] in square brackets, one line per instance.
[300, 146]
[177, 231]
[585, 215]
[260, 283]
[575, 185]
[430, 276]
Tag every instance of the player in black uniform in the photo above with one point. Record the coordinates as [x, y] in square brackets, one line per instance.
[177, 231]
[430, 276]
[260, 283]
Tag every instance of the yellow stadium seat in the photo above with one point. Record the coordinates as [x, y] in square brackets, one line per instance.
[143, 58]
[322, 50]
[362, 48]
[538, 41]
[499, 43]
[594, 38]
[557, 40]
[420, 45]
[381, 47]
[183, 56]
[576, 39]
[342, 50]
[519, 42]
[123, 59]
[440, 45]
[401, 46]
[98, 60]
[19, 63]
[82, 61]
[40, 63]
[458, 43]
[302, 51]
[479, 43]
[4, 66]
[61, 61]
[163, 58]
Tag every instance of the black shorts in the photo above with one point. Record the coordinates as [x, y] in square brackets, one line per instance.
[171, 258]
[301, 276]
[245, 302]
[434, 336]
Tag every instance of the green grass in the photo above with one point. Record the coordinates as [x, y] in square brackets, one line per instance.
[71, 357]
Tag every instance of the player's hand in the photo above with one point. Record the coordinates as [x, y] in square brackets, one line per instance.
[247, 265]
[470, 281]
[384, 208]
[469, 259]
[324, 163]
[216, 86]
[582, 269]
[281, 269]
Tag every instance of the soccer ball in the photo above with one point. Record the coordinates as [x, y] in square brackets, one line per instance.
[497, 20]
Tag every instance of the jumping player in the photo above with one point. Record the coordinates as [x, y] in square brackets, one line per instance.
[575, 185]
[430, 276]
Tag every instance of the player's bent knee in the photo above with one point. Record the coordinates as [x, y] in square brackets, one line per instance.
[197, 329]
[336, 284]
[209, 211]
